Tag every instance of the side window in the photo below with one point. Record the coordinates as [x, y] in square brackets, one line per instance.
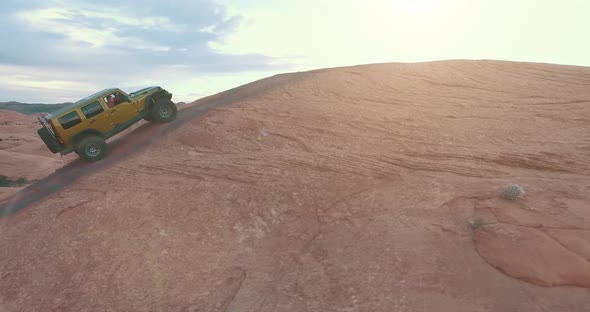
[92, 109]
[69, 120]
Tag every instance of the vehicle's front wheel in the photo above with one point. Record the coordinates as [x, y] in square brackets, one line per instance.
[92, 148]
[164, 111]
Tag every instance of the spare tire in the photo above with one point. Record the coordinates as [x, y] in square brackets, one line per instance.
[48, 139]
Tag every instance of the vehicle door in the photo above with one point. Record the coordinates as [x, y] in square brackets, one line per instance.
[121, 110]
[91, 115]
[97, 117]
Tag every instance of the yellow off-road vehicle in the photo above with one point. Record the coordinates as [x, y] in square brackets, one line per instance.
[83, 127]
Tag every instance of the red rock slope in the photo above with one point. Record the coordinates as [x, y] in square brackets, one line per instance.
[347, 189]
[22, 153]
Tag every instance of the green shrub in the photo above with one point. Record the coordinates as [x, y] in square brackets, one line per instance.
[476, 223]
[6, 182]
[21, 181]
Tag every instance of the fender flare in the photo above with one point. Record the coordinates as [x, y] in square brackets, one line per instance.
[151, 100]
[85, 133]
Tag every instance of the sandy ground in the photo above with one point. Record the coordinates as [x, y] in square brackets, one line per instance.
[22, 153]
[348, 189]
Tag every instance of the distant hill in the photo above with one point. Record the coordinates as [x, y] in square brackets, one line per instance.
[30, 109]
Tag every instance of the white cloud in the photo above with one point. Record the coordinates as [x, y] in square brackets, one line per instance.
[66, 21]
[117, 17]
[208, 29]
[62, 50]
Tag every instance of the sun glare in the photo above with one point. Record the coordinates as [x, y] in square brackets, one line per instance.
[417, 5]
[412, 6]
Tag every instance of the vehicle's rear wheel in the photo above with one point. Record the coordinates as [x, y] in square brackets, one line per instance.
[92, 148]
[164, 111]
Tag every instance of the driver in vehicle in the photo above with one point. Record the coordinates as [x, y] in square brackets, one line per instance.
[111, 101]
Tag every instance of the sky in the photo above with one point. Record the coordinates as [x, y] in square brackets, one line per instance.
[56, 51]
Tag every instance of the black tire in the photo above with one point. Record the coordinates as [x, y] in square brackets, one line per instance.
[163, 111]
[148, 118]
[92, 148]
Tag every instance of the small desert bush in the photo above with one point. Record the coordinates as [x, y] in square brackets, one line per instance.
[476, 223]
[513, 191]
